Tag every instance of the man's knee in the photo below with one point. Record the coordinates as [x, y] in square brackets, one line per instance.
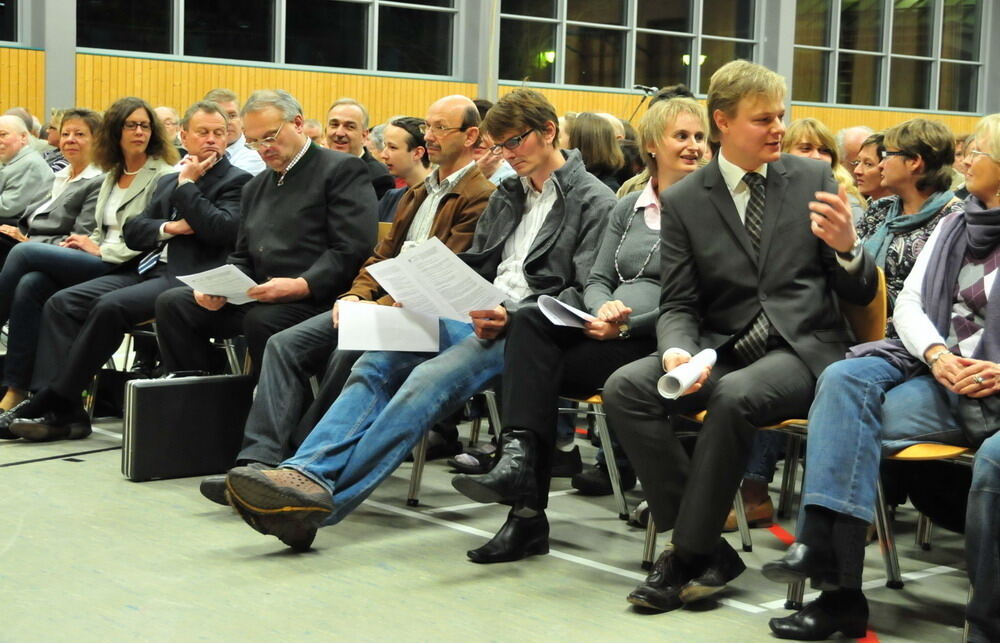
[170, 301]
[627, 386]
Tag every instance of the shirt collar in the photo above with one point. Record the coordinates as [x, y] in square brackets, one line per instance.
[648, 198]
[89, 172]
[295, 159]
[529, 187]
[433, 184]
[733, 174]
[237, 145]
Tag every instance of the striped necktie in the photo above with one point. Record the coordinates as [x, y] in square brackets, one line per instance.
[753, 344]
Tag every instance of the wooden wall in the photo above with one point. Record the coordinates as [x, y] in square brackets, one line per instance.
[100, 80]
[22, 80]
[839, 117]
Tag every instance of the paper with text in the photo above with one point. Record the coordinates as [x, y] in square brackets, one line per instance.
[562, 314]
[225, 281]
[370, 327]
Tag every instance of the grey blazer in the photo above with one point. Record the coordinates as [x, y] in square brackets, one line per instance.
[23, 180]
[713, 285]
[72, 212]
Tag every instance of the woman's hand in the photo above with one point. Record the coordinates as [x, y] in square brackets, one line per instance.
[600, 330]
[614, 311]
[82, 242]
[13, 232]
[977, 378]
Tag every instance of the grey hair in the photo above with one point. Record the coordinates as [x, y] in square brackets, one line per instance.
[352, 101]
[207, 106]
[222, 95]
[842, 136]
[377, 136]
[17, 124]
[277, 98]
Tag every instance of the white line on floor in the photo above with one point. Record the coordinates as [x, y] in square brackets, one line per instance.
[110, 434]
[476, 505]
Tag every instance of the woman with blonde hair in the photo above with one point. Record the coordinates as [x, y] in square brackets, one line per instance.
[810, 138]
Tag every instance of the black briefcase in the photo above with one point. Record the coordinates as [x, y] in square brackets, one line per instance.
[184, 426]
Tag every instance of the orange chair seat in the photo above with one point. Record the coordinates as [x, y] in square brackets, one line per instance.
[930, 451]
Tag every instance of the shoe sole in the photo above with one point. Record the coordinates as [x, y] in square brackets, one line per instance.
[538, 550]
[289, 529]
[37, 432]
[474, 490]
[257, 494]
[639, 601]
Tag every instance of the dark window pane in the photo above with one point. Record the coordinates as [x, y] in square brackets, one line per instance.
[124, 24]
[858, 79]
[812, 22]
[608, 12]
[431, 3]
[809, 75]
[527, 51]
[662, 60]
[414, 41]
[594, 56]
[536, 8]
[668, 16]
[861, 25]
[8, 20]
[911, 28]
[959, 85]
[909, 83]
[729, 18]
[962, 27]
[240, 29]
[307, 33]
[716, 53]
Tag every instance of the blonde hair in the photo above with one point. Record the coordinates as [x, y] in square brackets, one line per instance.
[988, 129]
[737, 80]
[814, 131]
[660, 116]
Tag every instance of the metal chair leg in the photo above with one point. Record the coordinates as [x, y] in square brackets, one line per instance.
[965, 629]
[493, 412]
[792, 455]
[741, 521]
[649, 546]
[604, 435]
[417, 473]
[235, 368]
[796, 592]
[924, 527]
[886, 542]
[474, 433]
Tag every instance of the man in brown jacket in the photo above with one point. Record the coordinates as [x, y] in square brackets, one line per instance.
[447, 206]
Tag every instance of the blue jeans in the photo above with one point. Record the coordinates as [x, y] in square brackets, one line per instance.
[764, 453]
[390, 400]
[862, 409]
[982, 543]
[32, 273]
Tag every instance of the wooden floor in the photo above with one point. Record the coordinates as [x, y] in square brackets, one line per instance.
[87, 556]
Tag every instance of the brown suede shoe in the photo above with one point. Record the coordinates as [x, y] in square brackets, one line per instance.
[279, 502]
[759, 515]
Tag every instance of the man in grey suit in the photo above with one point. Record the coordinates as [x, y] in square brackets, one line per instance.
[25, 176]
[755, 249]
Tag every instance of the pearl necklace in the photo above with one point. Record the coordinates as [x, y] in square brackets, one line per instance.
[127, 173]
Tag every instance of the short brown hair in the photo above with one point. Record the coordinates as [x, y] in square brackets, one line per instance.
[520, 110]
[736, 80]
[108, 149]
[933, 142]
[89, 117]
[594, 137]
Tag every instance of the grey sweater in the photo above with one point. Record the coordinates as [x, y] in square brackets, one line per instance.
[643, 295]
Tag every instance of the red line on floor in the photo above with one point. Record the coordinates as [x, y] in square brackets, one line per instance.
[870, 637]
[781, 534]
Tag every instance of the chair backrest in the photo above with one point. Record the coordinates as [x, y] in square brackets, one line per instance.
[383, 230]
[868, 321]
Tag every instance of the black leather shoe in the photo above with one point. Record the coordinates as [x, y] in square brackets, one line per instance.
[53, 425]
[512, 480]
[726, 565]
[661, 590]
[597, 481]
[823, 618]
[566, 464]
[7, 417]
[518, 538]
[214, 487]
[801, 562]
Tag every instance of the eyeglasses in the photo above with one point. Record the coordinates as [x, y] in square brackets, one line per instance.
[511, 143]
[131, 125]
[265, 142]
[977, 152]
[886, 154]
[439, 130]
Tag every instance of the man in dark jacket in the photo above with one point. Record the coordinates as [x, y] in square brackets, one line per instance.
[189, 225]
[346, 131]
[538, 236]
[308, 223]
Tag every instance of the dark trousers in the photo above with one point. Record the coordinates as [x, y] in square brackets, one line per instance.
[542, 362]
[693, 494]
[281, 416]
[185, 329]
[83, 325]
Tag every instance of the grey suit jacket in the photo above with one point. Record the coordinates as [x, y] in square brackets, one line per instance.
[714, 286]
[25, 179]
[72, 212]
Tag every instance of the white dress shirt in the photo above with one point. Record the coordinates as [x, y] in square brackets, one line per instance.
[244, 158]
[537, 205]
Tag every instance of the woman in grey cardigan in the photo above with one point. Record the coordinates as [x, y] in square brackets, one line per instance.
[69, 207]
[544, 361]
[134, 151]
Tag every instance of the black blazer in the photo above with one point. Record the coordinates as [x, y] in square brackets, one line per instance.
[382, 181]
[211, 206]
[713, 286]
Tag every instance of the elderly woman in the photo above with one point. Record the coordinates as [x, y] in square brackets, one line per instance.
[134, 151]
[544, 361]
[894, 230]
[928, 385]
[867, 170]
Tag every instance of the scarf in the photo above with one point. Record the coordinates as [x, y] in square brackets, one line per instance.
[896, 223]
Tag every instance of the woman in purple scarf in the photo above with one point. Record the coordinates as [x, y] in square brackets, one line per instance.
[894, 393]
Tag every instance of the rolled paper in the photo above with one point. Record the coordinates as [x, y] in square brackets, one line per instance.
[673, 384]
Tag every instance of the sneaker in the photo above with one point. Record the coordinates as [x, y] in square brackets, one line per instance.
[597, 482]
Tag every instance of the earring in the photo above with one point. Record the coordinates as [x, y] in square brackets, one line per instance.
[652, 155]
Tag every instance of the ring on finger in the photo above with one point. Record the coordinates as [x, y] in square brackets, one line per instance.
[978, 379]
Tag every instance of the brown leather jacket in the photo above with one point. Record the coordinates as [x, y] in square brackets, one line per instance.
[454, 224]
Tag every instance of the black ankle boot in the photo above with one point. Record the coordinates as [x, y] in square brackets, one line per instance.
[512, 480]
[519, 537]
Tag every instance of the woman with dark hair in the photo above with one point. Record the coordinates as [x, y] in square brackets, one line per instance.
[867, 172]
[132, 148]
[593, 136]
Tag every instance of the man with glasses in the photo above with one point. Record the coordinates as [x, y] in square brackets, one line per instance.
[346, 131]
[445, 205]
[308, 223]
[538, 236]
[236, 149]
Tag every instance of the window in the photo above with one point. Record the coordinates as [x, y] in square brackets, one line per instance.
[124, 24]
[910, 54]
[308, 39]
[414, 41]
[617, 43]
[239, 29]
[8, 20]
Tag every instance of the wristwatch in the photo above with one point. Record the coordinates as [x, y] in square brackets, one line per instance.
[623, 331]
[853, 252]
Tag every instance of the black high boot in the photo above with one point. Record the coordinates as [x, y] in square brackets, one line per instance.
[519, 537]
[512, 480]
